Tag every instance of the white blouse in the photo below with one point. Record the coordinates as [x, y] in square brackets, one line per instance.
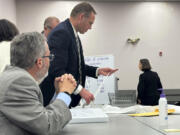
[4, 54]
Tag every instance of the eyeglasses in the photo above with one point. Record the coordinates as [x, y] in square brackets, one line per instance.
[49, 27]
[51, 57]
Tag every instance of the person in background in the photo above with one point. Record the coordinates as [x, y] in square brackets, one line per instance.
[149, 83]
[21, 101]
[65, 44]
[7, 32]
[49, 24]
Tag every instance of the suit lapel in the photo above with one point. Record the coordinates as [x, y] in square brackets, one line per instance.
[70, 29]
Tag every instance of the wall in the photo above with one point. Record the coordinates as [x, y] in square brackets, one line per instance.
[8, 10]
[155, 23]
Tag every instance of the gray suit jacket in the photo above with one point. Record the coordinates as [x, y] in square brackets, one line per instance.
[21, 106]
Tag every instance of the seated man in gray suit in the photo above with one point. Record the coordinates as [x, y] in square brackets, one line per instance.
[21, 101]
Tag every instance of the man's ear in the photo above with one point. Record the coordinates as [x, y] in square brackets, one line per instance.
[81, 16]
[39, 62]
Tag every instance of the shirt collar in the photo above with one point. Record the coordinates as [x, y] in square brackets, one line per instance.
[75, 33]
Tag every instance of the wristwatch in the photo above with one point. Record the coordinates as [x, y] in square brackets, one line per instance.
[67, 93]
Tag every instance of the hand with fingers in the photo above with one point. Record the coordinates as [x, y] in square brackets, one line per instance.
[138, 101]
[65, 83]
[106, 71]
[86, 95]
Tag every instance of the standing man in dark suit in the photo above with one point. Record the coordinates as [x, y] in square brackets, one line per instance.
[65, 44]
[149, 83]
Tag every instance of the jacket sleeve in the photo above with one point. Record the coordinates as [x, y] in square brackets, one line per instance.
[141, 87]
[22, 106]
[90, 71]
[159, 82]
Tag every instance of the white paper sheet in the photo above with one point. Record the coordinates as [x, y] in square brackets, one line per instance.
[88, 115]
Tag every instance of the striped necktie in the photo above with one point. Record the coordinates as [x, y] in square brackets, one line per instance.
[79, 55]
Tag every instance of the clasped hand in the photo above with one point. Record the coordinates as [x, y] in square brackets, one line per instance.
[65, 83]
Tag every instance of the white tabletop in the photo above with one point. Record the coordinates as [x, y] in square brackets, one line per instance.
[118, 124]
[153, 122]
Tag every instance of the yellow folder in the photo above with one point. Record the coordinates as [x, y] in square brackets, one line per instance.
[172, 130]
[155, 113]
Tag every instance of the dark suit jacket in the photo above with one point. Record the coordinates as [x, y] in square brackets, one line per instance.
[149, 83]
[62, 43]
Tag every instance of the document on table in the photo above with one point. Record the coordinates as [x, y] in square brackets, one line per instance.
[88, 115]
[114, 109]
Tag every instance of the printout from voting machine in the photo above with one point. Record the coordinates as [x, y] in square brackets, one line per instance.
[88, 115]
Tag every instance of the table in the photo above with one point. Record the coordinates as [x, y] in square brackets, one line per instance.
[118, 124]
[153, 122]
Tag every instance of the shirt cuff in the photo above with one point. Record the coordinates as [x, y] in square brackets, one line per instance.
[78, 90]
[97, 72]
[64, 97]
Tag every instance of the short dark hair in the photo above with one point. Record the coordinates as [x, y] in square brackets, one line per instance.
[83, 7]
[145, 64]
[8, 30]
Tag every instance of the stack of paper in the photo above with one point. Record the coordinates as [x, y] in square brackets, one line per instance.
[87, 115]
